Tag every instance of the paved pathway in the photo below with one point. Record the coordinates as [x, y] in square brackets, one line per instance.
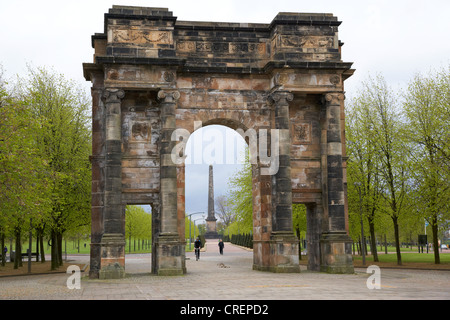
[229, 277]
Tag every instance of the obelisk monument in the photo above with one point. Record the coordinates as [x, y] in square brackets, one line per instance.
[211, 232]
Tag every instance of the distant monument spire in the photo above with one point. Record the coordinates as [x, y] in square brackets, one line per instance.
[211, 232]
[211, 214]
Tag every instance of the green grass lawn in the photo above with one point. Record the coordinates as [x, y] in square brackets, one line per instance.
[71, 247]
[408, 257]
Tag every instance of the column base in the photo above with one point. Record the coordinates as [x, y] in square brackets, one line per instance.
[112, 263]
[336, 253]
[278, 255]
[170, 256]
[95, 260]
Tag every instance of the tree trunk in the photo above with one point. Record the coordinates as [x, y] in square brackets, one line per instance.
[373, 239]
[18, 253]
[59, 237]
[37, 245]
[365, 246]
[41, 244]
[385, 245]
[3, 249]
[397, 240]
[434, 228]
[54, 251]
[297, 231]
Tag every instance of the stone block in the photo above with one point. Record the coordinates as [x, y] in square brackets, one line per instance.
[336, 253]
[170, 255]
[283, 253]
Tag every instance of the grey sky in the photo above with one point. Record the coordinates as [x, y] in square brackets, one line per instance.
[396, 38]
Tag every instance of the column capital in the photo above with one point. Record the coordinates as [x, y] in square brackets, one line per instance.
[333, 98]
[113, 94]
[168, 95]
[280, 97]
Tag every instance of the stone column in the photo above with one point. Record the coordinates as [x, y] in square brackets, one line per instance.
[113, 239]
[170, 252]
[335, 243]
[98, 177]
[262, 218]
[211, 232]
[284, 244]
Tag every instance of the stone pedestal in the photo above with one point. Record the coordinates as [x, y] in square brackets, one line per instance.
[170, 255]
[112, 256]
[336, 253]
[284, 253]
[211, 232]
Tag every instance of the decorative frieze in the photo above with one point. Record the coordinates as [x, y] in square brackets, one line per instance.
[138, 36]
[292, 41]
[187, 46]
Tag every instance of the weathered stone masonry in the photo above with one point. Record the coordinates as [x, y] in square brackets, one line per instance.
[152, 74]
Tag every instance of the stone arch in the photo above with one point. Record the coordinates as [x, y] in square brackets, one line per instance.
[262, 219]
[152, 75]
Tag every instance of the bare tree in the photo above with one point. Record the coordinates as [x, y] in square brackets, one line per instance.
[224, 211]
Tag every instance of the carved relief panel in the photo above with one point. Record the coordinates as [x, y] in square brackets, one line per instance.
[301, 132]
[139, 36]
[291, 41]
[140, 131]
[254, 48]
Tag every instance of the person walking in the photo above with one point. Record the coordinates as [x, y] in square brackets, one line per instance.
[221, 246]
[5, 251]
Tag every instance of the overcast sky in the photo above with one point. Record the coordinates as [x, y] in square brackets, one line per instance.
[396, 38]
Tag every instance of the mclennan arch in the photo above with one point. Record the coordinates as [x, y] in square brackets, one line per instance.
[153, 74]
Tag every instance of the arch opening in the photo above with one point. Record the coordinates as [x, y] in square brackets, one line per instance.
[225, 149]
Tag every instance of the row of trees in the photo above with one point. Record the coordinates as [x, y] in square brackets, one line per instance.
[397, 168]
[45, 143]
[138, 228]
[399, 157]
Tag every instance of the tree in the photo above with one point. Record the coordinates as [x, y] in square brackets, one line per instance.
[427, 112]
[384, 121]
[224, 211]
[299, 223]
[138, 225]
[23, 182]
[240, 199]
[64, 144]
[363, 167]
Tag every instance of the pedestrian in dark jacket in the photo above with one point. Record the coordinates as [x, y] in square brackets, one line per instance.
[221, 245]
[197, 246]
